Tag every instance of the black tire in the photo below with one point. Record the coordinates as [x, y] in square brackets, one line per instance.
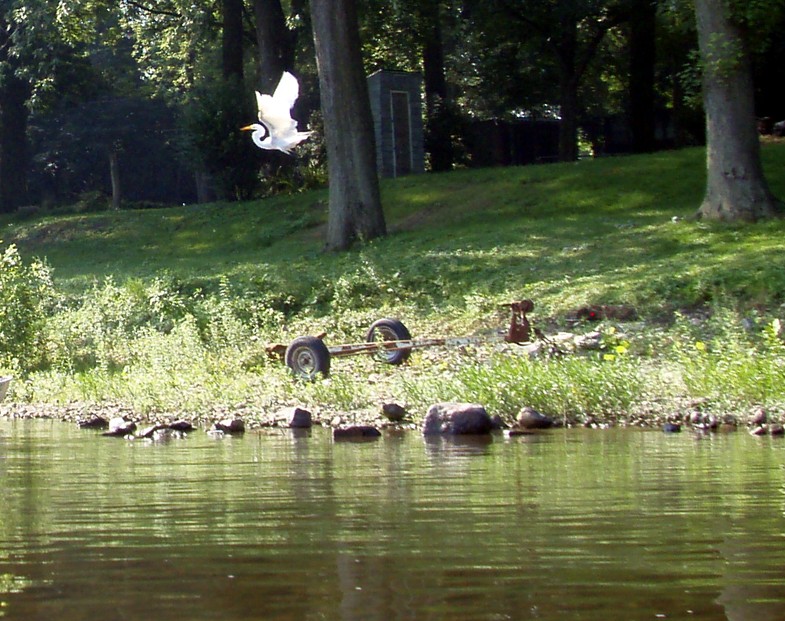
[389, 330]
[307, 356]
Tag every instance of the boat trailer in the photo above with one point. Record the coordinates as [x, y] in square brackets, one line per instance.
[390, 341]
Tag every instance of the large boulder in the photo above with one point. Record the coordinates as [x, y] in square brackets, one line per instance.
[457, 419]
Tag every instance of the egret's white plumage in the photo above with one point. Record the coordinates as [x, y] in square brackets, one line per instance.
[276, 128]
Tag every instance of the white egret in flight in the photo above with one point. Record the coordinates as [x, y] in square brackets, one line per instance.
[276, 128]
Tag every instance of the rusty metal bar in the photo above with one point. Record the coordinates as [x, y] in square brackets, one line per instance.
[370, 348]
[518, 332]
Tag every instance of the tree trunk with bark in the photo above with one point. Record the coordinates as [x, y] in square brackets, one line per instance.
[643, 22]
[232, 39]
[437, 104]
[14, 153]
[114, 174]
[736, 188]
[355, 209]
[274, 42]
[568, 92]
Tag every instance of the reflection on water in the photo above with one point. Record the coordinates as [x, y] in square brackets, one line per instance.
[575, 524]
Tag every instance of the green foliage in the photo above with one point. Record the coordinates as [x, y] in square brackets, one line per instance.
[91, 201]
[174, 308]
[214, 141]
[25, 294]
[569, 388]
[732, 360]
[761, 20]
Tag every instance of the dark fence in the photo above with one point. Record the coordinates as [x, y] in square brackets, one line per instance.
[511, 143]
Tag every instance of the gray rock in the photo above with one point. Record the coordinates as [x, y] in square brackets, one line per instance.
[529, 418]
[181, 425]
[296, 417]
[119, 427]
[356, 432]
[759, 417]
[230, 425]
[94, 422]
[590, 340]
[393, 412]
[147, 432]
[498, 423]
[457, 419]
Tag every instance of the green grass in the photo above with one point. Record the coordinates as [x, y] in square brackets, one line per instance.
[227, 278]
[563, 234]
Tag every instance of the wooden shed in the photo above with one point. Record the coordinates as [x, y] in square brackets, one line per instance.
[396, 106]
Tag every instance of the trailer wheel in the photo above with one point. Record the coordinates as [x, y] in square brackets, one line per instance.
[308, 356]
[389, 330]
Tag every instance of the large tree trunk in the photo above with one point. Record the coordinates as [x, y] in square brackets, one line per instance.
[437, 104]
[14, 92]
[642, 56]
[13, 144]
[355, 210]
[568, 92]
[735, 186]
[274, 41]
[232, 39]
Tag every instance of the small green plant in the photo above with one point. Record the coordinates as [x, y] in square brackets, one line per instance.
[731, 360]
[570, 388]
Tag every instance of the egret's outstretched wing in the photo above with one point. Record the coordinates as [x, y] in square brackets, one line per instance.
[275, 110]
[275, 115]
[287, 90]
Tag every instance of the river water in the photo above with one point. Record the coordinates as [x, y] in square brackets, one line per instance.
[569, 524]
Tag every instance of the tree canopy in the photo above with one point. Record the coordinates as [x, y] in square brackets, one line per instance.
[615, 76]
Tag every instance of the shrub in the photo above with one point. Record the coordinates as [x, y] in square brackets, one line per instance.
[25, 291]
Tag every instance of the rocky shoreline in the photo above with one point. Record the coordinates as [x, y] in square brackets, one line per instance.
[389, 415]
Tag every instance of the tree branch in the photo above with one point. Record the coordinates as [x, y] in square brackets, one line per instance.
[154, 11]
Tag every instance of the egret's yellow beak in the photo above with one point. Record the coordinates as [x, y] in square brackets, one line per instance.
[246, 128]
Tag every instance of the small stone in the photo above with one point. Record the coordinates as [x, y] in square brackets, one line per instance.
[147, 432]
[758, 417]
[119, 427]
[298, 418]
[497, 423]
[393, 412]
[94, 422]
[776, 430]
[356, 432]
[590, 340]
[759, 430]
[671, 427]
[181, 425]
[230, 425]
[529, 418]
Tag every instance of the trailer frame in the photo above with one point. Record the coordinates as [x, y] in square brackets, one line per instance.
[309, 356]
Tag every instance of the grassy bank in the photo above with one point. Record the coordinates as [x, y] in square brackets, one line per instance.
[170, 310]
